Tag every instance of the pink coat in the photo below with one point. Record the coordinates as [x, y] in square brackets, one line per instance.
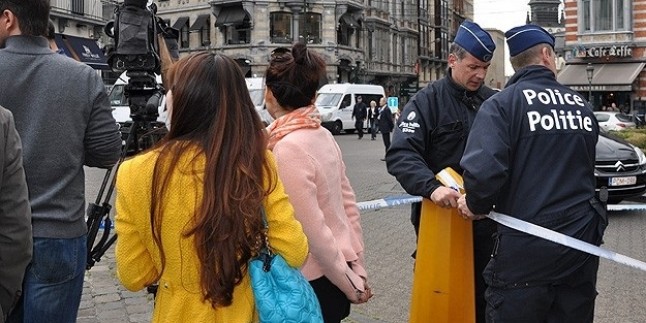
[311, 167]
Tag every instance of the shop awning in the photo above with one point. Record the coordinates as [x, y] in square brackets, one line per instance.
[606, 77]
[231, 16]
[180, 23]
[84, 50]
[349, 20]
[200, 22]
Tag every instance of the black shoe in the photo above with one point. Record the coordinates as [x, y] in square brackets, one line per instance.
[383, 159]
[372, 138]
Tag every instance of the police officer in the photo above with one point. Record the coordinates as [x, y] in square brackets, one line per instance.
[431, 134]
[531, 155]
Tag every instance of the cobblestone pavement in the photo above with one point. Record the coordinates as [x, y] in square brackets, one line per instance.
[389, 241]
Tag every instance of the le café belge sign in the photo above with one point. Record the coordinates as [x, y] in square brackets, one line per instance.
[602, 51]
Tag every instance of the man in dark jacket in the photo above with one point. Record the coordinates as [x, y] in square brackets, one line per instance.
[385, 123]
[510, 165]
[63, 116]
[432, 132]
[359, 113]
[15, 216]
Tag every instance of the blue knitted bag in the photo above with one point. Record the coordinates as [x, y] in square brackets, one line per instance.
[281, 293]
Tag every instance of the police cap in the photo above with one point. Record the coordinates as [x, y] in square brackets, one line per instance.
[475, 40]
[524, 37]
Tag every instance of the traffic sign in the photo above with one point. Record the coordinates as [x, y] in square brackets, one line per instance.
[393, 102]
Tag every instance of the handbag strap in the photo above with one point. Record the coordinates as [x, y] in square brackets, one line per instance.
[266, 247]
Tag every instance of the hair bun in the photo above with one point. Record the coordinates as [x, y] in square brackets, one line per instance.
[300, 53]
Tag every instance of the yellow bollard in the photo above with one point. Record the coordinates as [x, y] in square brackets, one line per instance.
[443, 284]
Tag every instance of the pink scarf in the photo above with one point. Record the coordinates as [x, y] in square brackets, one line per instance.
[305, 117]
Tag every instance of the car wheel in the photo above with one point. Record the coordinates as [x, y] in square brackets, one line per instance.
[336, 128]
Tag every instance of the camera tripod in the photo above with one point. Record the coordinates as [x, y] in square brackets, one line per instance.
[143, 133]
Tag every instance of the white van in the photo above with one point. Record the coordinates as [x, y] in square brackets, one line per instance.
[256, 86]
[121, 110]
[336, 101]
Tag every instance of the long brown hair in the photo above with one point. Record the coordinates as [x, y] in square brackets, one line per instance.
[212, 113]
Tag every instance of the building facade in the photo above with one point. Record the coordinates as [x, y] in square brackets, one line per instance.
[606, 39]
[79, 29]
[401, 45]
[495, 78]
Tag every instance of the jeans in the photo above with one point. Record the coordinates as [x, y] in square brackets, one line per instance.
[373, 128]
[53, 282]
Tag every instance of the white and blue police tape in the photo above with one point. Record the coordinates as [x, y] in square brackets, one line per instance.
[388, 202]
[565, 240]
[530, 228]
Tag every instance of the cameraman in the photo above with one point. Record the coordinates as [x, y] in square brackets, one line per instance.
[63, 116]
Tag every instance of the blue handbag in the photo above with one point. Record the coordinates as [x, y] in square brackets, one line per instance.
[281, 293]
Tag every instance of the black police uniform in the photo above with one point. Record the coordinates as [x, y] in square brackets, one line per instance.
[531, 155]
[431, 135]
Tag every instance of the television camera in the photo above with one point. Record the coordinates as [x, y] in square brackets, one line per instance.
[143, 43]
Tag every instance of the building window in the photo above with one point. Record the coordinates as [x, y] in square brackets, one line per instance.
[280, 27]
[202, 26]
[311, 31]
[620, 14]
[235, 24]
[348, 28]
[371, 47]
[238, 34]
[604, 15]
[183, 35]
[586, 15]
[205, 34]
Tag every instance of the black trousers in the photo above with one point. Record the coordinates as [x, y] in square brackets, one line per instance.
[571, 300]
[334, 304]
[386, 138]
[358, 125]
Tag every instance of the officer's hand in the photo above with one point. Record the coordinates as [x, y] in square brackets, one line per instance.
[445, 197]
[465, 212]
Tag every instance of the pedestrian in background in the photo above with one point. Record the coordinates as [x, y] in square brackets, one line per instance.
[373, 115]
[359, 113]
[311, 166]
[15, 216]
[386, 123]
[189, 211]
[510, 167]
[64, 119]
[432, 133]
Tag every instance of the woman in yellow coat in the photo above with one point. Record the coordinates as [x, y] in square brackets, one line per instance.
[189, 210]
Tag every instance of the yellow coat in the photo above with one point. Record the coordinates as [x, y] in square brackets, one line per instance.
[179, 298]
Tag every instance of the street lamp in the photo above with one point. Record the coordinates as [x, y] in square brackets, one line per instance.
[590, 71]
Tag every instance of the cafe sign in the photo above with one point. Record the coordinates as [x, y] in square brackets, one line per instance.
[602, 51]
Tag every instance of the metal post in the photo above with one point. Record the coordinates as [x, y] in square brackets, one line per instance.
[590, 72]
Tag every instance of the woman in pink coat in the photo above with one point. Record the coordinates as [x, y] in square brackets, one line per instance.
[311, 167]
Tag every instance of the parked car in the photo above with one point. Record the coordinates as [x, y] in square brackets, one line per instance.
[615, 121]
[620, 167]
